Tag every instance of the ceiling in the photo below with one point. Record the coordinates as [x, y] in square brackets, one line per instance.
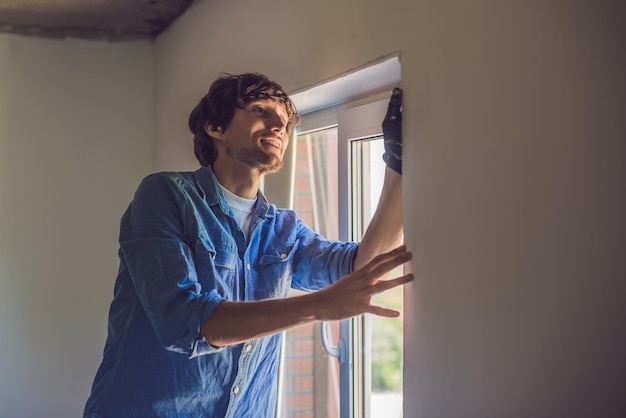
[111, 20]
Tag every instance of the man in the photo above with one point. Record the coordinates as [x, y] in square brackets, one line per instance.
[206, 263]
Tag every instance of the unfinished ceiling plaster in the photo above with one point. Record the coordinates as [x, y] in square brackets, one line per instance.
[113, 20]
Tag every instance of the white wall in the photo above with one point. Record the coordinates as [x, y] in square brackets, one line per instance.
[519, 211]
[514, 208]
[75, 139]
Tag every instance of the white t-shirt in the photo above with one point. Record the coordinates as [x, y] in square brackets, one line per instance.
[241, 208]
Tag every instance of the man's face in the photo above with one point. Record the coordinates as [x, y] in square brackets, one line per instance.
[256, 136]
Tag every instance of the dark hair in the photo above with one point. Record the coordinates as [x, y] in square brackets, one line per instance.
[217, 108]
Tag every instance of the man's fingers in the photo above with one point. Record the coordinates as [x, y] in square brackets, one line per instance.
[385, 257]
[385, 285]
[386, 264]
[380, 311]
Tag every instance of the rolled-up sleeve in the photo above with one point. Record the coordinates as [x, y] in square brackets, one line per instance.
[321, 262]
[157, 252]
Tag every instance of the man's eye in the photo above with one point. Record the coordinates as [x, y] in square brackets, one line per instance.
[258, 111]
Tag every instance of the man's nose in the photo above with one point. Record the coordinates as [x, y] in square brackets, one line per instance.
[277, 124]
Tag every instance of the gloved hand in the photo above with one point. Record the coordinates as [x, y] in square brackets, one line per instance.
[392, 132]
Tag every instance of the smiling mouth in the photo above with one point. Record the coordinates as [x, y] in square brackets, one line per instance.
[276, 143]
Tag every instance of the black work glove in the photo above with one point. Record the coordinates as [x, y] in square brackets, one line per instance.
[392, 132]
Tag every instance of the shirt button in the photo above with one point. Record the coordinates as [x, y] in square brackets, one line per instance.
[248, 348]
[248, 266]
[236, 389]
[283, 256]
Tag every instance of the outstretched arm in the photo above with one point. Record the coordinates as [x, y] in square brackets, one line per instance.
[236, 322]
[385, 229]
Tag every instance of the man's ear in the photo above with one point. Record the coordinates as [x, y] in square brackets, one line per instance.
[214, 131]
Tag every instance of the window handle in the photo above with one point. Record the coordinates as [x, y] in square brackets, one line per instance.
[339, 350]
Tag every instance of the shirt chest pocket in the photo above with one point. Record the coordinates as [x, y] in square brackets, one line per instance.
[275, 269]
[216, 266]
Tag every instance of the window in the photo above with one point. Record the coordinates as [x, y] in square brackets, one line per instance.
[376, 343]
[337, 174]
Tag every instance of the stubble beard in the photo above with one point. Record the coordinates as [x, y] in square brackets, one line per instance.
[265, 163]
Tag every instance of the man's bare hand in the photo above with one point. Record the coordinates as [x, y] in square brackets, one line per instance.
[352, 294]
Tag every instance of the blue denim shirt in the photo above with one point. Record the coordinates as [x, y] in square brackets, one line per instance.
[181, 254]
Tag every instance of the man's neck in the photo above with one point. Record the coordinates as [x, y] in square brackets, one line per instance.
[237, 178]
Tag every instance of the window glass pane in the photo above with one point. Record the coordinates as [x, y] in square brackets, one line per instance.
[310, 385]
